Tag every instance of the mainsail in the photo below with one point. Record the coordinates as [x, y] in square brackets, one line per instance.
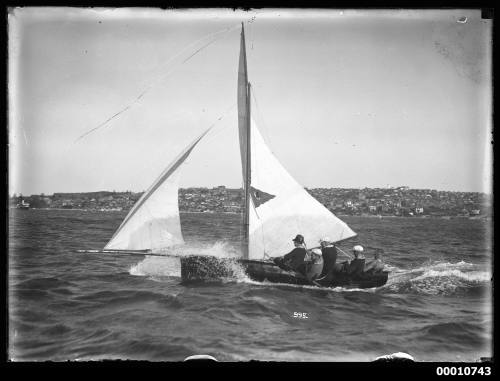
[154, 223]
[281, 208]
[276, 207]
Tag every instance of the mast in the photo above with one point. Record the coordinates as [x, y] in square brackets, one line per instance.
[244, 135]
[248, 182]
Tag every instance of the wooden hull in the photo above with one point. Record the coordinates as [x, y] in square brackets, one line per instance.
[206, 268]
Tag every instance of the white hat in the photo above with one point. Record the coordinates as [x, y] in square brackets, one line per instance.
[325, 239]
[316, 251]
[358, 248]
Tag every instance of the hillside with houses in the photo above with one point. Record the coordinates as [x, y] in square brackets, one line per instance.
[400, 201]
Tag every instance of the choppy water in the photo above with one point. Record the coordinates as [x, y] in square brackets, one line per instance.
[436, 305]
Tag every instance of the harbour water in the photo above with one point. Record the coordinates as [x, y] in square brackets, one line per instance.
[436, 306]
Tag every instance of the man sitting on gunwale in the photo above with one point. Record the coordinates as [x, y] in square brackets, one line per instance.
[294, 260]
[375, 265]
[357, 265]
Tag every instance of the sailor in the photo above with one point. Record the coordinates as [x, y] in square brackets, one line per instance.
[329, 253]
[376, 264]
[314, 263]
[357, 265]
[295, 258]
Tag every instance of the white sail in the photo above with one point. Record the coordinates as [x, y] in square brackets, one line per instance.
[243, 104]
[154, 223]
[243, 130]
[281, 208]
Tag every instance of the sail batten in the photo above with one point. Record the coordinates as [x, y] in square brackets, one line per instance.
[154, 223]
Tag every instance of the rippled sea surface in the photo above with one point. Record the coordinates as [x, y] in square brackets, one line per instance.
[64, 305]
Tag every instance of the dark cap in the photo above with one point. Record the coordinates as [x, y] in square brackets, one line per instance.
[299, 239]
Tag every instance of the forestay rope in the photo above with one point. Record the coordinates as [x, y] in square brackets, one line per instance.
[212, 38]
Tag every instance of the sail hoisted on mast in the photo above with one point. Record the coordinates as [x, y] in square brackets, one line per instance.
[276, 207]
[244, 135]
[243, 103]
[154, 223]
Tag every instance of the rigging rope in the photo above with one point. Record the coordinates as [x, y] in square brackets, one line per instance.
[162, 77]
[213, 135]
[261, 119]
[342, 251]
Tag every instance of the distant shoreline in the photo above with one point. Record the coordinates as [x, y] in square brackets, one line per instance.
[486, 218]
[116, 210]
[393, 202]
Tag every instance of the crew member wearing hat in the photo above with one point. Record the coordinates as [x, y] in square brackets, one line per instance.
[358, 252]
[357, 265]
[295, 258]
[329, 253]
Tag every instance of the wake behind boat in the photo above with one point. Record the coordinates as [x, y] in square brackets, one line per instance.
[276, 208]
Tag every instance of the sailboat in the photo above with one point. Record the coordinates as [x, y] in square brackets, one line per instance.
[276, 208]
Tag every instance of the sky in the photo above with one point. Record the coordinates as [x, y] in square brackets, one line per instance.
[344, 98]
